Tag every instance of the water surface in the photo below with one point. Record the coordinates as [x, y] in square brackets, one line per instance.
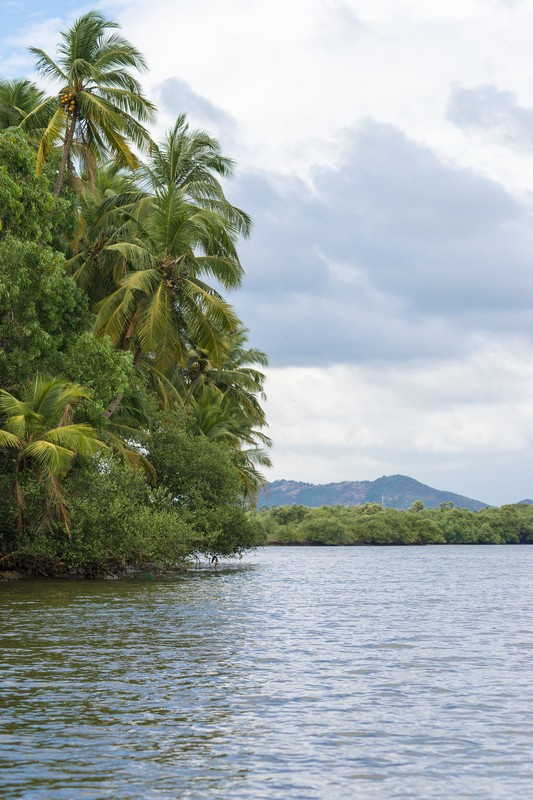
[296, 673]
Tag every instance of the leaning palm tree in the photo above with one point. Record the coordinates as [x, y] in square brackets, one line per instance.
[100, 107]
[40, 431]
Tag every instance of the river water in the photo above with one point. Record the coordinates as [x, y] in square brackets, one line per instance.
[295, 673]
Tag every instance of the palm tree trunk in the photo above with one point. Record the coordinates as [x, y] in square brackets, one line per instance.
[113, 405]
[117, 400]
[19, 497]
[69, 136]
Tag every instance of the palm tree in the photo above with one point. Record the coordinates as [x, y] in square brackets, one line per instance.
[221, 418]
[238, 376]
[224, 403]
[40, 430]
[172, 236]
[162, 304]
[100, 106]
[158, 242]
[191, 160]
[103, 217]
[18, 98]
[186, 161]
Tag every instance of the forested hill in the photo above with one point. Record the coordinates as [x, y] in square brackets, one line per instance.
[392, 491]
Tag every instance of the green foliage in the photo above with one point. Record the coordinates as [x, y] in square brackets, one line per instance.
[143, 243]
[26, 202]
[25, 198]
[41, 311]
[325, 527]
[117, 520]
[104, 370]
[371, 524]
[278, 525]
[201, 478]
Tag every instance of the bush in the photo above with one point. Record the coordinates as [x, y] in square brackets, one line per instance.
[201, 478]
[117, 520]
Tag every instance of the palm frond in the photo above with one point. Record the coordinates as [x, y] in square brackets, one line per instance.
[10, 405]
[18, 100]
[51, 396]
[136, 254]
[170, 391]
[47, 67]
[50, 456]
[51, 135]
[129, 454]
[79, 437]
[157, 331]
[114, 314]
[8, 439]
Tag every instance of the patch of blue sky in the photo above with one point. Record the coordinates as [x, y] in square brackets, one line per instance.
[19, 18]
[20, 14]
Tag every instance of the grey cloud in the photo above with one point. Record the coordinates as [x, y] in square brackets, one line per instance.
[318, 331]
[177, 97]
[394, 256]
[341, 18]
[493, 111]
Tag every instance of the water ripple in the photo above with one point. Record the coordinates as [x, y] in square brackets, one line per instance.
[299, 674]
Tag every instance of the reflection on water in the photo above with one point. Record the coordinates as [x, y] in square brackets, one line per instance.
[296, 673]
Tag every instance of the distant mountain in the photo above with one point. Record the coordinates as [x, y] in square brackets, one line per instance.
[525, 503]
[392, 491]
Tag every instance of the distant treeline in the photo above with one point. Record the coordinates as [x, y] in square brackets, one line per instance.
[372, 524]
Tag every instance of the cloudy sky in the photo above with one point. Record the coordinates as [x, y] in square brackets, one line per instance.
[385, 152]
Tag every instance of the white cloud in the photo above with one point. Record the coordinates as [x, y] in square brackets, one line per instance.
[458, 425]
[293, 73]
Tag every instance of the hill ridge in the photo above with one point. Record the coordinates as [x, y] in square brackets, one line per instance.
[392, 491]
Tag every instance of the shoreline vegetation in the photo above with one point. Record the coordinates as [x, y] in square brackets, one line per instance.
[372, 524]
[131, 420]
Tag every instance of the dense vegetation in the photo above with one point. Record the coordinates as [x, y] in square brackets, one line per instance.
[371, 524]
[131, 426]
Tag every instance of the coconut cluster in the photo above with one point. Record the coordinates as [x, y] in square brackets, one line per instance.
[68, 100]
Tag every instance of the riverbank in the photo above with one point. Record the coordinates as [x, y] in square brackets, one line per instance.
[44, 569]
